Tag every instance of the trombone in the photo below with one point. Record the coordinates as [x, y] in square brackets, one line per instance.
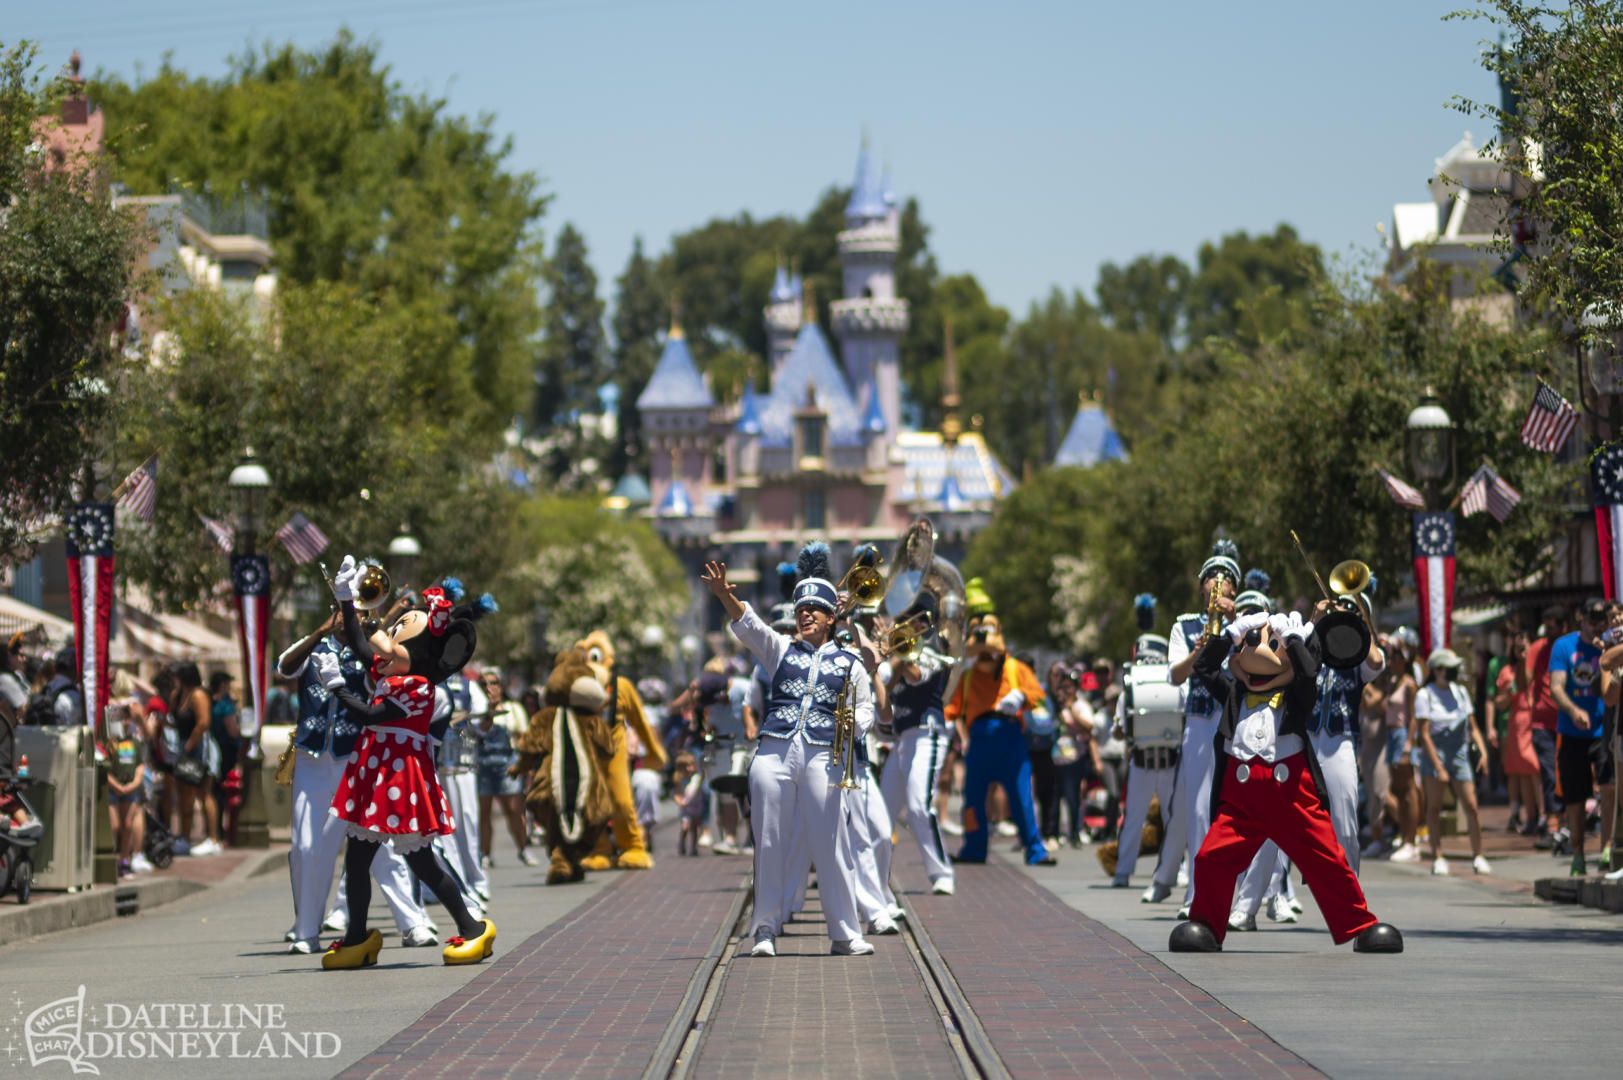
[906, 639]
[1347, 631]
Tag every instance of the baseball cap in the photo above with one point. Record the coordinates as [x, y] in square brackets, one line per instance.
[1444, 657]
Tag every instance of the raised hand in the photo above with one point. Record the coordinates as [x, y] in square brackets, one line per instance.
[714, 576]
[343, 583]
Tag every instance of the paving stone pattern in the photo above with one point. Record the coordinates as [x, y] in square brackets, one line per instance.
[804, 1013]
[1061, 995]
[589, 996]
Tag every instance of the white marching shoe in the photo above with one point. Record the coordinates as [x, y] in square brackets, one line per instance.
[764, 945]
[856, 946]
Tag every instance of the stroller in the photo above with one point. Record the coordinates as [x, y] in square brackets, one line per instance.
[17, 843]
[160, 842]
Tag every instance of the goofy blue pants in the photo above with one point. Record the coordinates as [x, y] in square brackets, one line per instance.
[997, 751]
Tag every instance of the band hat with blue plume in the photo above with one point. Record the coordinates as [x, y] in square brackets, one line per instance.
[815, 587]
[1225, 559]
[1150, 649]
[1255, 597]
[1144, 609]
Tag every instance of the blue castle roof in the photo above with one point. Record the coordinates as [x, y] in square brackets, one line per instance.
[952, 497]
[868, 190]
[1091, 439]
[676, 382]
[810, 363]
[749, 416]
[633, 489]
[781, 288]
[677, 502]
[873, 422]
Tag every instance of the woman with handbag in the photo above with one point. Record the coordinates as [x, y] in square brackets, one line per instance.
[197, 765]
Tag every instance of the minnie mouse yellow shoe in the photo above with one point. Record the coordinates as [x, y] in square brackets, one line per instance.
[460, 950]
[339, 955]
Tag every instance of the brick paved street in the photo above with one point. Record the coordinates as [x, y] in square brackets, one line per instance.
[589, 996]
[807, 1014]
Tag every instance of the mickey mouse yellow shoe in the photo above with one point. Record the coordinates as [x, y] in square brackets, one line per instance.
[339, 955]
[460, 950]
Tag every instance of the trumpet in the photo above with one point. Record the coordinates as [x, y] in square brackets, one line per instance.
[906, 639]
[372, 589]
[1214, 617]
[845, 738]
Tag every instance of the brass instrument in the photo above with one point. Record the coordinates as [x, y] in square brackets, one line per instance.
[923, 582]
[845, 737]
[906, 639]
[372, 588]
[1214, 616]
[1346, 632]
[864, 583]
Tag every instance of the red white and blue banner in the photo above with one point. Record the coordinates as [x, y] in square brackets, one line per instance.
[250, 581]
[1606, 481]
[90, 591]
[1434, 578]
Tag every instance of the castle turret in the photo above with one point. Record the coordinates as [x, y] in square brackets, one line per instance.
[871, 319]
[675, 407]
[782, 312]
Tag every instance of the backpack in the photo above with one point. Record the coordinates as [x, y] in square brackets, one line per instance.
[41, 709]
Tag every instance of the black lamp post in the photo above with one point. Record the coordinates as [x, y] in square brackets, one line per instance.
[250, 483]
[1600, 360]
[1431, 445]
[404, 552]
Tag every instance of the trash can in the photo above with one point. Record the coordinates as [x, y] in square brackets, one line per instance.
[62, 790]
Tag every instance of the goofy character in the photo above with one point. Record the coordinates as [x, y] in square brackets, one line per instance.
[1267, 784]
[994, 693]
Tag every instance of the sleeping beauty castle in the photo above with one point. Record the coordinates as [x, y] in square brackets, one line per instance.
[824, 452]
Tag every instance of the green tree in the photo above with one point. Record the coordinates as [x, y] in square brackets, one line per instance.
[367, 185]
[66, 267]
[641, 311]
[571, 361]
[1145, 296]
[1247, 287]
[1561, 76]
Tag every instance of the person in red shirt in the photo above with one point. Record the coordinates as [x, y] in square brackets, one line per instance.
[1557, 621]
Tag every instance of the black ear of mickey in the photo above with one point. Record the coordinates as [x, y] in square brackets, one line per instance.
[1194, 937]
[457, 646]
[1380, 938]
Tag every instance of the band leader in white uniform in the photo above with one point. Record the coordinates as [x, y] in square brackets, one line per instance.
[1197, 757]
[324, 740]
[793, 781]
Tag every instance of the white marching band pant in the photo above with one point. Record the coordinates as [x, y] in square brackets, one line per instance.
[318, 840]
[1197, 759]
[1142, 786]
[793, 791]
[869, 825]
[908, 787]
[460, 850]
[1338, 762]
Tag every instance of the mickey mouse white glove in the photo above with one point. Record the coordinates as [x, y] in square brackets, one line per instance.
[1290, 625]
[343, 584]
[327, 672]
[1239, 628]
[1011, 703]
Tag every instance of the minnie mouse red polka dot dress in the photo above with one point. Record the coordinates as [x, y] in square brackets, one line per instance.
[389, 791]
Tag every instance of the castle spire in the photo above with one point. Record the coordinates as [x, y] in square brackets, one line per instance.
[676, 333]
[951, 426]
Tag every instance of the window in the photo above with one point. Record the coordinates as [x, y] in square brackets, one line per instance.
[811, 437]
[814, 510]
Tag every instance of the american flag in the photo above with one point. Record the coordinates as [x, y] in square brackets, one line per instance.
[301, 538]
[221, 533]
[1549, 421]
[140, 489]
[1402, 493]
[1487, 490]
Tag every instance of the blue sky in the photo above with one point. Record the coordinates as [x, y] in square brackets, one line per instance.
[1041, 138]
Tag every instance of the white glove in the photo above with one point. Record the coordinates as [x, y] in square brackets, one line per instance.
[327, 672]
[1239, 628]
[1290, 625]
[1011, 703]
[343, 584]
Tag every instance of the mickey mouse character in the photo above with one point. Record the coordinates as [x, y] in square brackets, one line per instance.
[1268, 786]
[389, 791]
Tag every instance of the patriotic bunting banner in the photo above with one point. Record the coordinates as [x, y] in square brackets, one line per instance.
[250, 581]
[90, 591]
[1606, 480]
[1434, 578]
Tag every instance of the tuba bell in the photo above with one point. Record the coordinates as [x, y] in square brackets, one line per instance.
[922, 581]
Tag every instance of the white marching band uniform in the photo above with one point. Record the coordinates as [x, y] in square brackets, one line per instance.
[454, 700]
[1149, 710]
[1197, 757]
[922, 741]
[324, 740]
[793, 779]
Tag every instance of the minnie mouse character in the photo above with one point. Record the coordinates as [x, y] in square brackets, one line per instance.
[389, 791]
[1267, 785]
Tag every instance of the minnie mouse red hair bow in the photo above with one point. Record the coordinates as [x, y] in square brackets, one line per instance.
[439, 610]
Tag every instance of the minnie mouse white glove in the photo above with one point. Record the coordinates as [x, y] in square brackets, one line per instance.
[1290, 625]
[343, 583]
[1239, 628]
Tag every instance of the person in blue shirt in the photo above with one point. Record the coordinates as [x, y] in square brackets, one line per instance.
[1583, 749]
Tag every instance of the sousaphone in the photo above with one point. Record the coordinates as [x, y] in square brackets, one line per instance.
[923, 582]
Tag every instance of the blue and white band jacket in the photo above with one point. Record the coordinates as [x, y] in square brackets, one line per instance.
[324, 725]
[1181, 643]
[919, 704]
[805, 683]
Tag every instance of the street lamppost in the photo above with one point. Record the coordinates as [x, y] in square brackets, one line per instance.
[250, 581]
[653, 643]
[690, 646]
[1600, 359]
[404, 551]
[1431, 445]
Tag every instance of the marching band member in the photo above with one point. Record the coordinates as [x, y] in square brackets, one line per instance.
[914, 711]
[793, 779]
[324, 741]
[869, 823]
[1219, 575]
[1153, 772]
[453, 764]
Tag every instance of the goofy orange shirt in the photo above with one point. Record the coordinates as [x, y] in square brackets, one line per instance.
[978, 694]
